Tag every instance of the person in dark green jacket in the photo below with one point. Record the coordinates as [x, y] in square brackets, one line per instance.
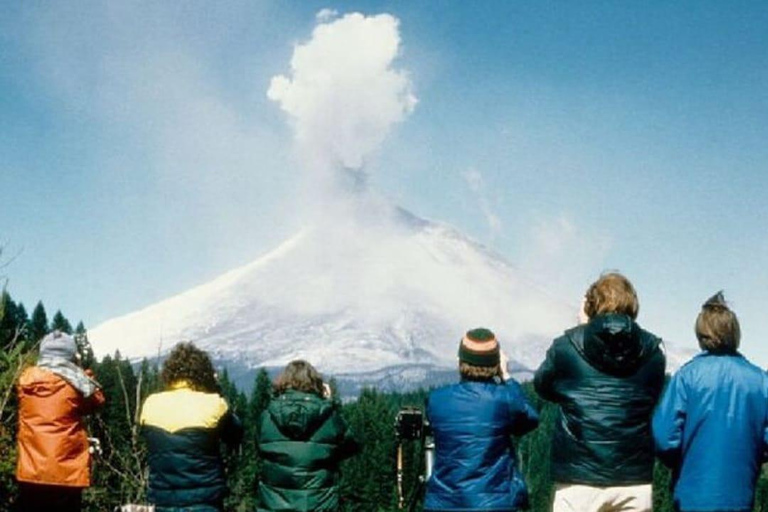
[302, 440]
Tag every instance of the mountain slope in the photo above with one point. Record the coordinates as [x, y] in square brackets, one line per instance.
[367, 293]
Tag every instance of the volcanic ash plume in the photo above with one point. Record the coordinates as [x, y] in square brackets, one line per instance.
[343, 93]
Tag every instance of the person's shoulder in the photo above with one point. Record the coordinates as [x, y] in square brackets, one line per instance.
[570, 334]
[178, 408]
[444, 390]
[752, 368]
[692, 363]
[39, 377]
[449, 393]
[650, 339]
[512, 389]
[567, 341]
[698, 363]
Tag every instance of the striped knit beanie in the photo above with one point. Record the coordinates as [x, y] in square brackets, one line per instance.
[479, 348]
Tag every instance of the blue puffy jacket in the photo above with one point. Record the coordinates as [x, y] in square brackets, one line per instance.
[711, 429]
[475, 465]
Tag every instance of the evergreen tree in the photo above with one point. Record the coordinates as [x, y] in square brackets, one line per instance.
[334, 385]
[60, 323]
[244, 488]
[8, 321]
[237, 463]
[121, 471]
[368, 480]
[84, 348]
[534, 452]
[150, 379]
[260, 397]
[38, 324]
[22, 325]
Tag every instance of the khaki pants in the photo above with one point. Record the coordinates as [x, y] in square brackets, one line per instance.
[586, 498]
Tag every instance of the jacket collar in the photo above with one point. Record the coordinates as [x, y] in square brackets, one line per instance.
[180, 384]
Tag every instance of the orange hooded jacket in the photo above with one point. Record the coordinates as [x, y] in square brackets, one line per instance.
[52, 441]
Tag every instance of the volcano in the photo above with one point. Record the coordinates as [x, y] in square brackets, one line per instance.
[384, 290]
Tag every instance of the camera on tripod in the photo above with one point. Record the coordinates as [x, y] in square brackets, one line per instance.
[412, 425]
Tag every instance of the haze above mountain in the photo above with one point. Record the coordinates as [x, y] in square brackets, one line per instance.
[381, 288]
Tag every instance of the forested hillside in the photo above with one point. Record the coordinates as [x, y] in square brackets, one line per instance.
[368, 482]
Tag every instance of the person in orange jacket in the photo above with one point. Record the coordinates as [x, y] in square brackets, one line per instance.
[53, 463]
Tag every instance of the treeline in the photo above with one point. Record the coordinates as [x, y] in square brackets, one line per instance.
[368, 481]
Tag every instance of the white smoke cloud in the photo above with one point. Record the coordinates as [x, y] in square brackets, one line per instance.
[343, 92]
[564, 255]
[326, 15]
[476, 182]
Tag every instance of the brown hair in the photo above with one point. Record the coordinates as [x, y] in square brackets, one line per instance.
[188, 363]
[717, 327]
[300, 376]
[612, 293]
[479, 373]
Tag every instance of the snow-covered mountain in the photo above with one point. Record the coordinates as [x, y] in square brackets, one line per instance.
[381, 297]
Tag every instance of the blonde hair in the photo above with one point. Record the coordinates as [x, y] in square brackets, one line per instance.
[612, 293]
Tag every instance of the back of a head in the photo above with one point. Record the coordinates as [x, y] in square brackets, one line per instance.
[58, 345]
[479, 356]
[611, 293]
[187, 363]
[299, 375]
[717, 327]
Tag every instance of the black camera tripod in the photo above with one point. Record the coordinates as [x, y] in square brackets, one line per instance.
[429, 449]
[410, 425]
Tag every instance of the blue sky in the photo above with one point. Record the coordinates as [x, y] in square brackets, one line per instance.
[141, 155]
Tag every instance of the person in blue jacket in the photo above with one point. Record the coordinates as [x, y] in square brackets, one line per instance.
[475, 467]
[711, 427]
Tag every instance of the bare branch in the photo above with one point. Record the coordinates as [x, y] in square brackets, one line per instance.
[20, 364]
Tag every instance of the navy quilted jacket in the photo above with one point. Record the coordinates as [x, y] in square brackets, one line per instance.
[184, 429]
[475, 464]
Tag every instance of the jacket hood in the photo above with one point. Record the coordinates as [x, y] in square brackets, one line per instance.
[613, 344]
[298, 415]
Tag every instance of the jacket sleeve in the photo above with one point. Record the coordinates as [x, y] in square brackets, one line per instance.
[231, 429]
[93, 403]
[96, 400]
[765, 426]
[544, 380]
[669, 422]
[765, 445]
[523, 416]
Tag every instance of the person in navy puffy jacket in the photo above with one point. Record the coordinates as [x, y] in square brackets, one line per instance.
[711, 426]
[475, 466]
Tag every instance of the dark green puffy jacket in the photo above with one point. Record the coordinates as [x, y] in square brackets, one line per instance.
[302, 440]
[606, 376]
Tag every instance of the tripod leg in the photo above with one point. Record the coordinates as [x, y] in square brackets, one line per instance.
[400, 495]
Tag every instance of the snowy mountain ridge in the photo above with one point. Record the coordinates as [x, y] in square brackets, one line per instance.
[355, 299]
